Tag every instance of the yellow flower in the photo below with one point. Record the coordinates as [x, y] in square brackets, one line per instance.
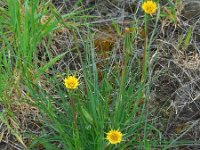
[114, 136]
[149, 7]
[71, 82]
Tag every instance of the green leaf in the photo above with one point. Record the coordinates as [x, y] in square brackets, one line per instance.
[87, 116]
[49, 64]
[188, 37]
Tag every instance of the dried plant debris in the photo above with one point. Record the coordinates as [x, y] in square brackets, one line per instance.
[14, 131]
[176, 79]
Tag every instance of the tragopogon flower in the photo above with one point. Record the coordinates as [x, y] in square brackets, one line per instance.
[114, 136]
[71, 82]
[149, 7]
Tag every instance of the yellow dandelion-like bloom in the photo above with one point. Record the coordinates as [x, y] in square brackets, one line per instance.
[114, 136]
[71, 82]
[149, 7]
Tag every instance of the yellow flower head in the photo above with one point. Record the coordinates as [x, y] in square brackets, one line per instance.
[71, 82]
[114, 136]
[149, 7]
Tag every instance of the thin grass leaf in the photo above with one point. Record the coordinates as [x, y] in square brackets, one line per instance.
[87, 116]
[49, 64]
[188, 37]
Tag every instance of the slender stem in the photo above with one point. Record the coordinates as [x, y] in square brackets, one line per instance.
[146, 53]
[144, 74]
[73, 110]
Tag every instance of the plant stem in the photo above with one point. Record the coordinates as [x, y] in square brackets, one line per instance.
[146, 53]
[73, 110]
